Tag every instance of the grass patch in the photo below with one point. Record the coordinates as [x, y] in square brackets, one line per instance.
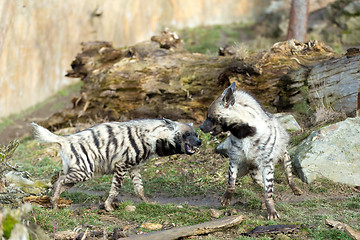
[65, 218]
[188, 176]
[37, 159]
[167, 213]
[208, 39]
[83, 198]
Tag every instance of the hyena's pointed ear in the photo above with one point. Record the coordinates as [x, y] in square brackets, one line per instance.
[229, 98]
[191, 124]
[170, 124]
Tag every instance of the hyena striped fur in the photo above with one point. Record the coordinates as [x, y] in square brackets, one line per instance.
[116, 148]
[257, 142]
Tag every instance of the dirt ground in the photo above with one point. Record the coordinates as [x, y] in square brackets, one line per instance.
[19, 126]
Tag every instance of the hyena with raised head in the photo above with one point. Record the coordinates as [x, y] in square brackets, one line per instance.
[116, 148]
[256, 143]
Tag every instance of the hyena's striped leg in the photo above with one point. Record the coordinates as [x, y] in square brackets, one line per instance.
[286, 161]
[137, 182]
[65, 182]
[268, 179]
[236, 168]
[118, 178]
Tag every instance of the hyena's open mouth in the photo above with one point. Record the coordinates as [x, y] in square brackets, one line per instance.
[189, 149]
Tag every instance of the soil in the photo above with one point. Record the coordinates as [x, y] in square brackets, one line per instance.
[19, 127]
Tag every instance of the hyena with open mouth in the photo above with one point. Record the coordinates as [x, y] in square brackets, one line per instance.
[257, 142]
[117, 148]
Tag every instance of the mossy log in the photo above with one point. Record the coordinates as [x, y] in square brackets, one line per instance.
[154, 80]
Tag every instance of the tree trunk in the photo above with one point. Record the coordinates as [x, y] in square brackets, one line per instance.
[299, 12]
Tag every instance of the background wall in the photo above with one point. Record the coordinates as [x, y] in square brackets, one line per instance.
[39, 39]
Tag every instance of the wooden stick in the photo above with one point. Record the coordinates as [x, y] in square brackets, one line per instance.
[198, 229]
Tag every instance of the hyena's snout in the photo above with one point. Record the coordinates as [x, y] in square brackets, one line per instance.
[192, 143]
[207, 126]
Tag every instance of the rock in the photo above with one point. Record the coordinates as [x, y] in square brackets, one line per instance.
[27, 185]
[332, 152]
[152, 226]
[13, 227]
[215, 213]
[130, 208]
[288, 121]
[352, 8]
[19, 232]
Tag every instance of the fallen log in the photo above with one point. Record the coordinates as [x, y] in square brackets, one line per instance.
[198, 229]
[159, 78]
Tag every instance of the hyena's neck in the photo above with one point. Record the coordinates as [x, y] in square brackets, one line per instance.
[247, 119]
[240, 130]
[166, 148]
[165, 142]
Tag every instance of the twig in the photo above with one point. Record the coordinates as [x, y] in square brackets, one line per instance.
[354, 234]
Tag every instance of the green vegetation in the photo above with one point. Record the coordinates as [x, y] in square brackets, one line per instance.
[208, 39]
[167, 213]
[203, 175]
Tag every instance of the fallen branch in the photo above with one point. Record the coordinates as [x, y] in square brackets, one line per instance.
[45, 201]
[354, 234]
[198, 229]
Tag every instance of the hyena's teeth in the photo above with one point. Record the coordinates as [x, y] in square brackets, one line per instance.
[189, 149]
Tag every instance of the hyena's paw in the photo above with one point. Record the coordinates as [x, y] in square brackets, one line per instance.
[273, 215]
[271, 212]
[108, 207]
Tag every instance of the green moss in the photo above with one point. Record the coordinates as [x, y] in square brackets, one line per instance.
[303, 106]
[8, 225]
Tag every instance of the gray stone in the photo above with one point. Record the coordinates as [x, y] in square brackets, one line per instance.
[352, 8]
[332, 152]
[288, 121]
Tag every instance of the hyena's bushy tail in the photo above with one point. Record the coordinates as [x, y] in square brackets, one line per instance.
[45, 135]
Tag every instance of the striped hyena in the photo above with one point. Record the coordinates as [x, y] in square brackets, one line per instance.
[256, 143]
[115, 148]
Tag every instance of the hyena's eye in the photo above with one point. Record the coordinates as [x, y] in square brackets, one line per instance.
[187, 134]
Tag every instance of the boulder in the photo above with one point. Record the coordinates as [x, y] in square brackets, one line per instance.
[288, 121]
[332, 152]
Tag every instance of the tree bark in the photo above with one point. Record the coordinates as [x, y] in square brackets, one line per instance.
[299, 12]
[331, 84]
